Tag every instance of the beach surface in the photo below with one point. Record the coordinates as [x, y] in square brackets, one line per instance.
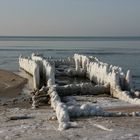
[20, 122]
[10, 84]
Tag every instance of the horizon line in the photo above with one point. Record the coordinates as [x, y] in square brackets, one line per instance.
[68, 36]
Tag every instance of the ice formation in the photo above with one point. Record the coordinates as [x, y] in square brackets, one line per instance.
[103, 73]
[82, 89]
[32, 68]
[47, 70]
[60, 108]
[104, 78]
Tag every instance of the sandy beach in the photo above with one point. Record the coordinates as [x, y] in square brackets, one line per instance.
[20, 122]
[10, 84]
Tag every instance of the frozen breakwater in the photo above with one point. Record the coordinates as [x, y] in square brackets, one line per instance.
[104, 78]
[31, 67]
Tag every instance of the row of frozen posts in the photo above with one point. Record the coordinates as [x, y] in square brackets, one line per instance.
[108, 78]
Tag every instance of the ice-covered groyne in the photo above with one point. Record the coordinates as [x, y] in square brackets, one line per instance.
[104, 78]
[41, 70]
[31, 67]
[46, 70]
[102, 73]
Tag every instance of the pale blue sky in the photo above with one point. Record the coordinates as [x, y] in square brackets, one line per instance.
[70, 17]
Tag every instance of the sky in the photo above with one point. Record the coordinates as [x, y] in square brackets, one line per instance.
[70, 17]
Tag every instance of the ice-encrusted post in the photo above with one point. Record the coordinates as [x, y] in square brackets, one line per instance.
[32, 68]
[36, 77]
[46, 69]
[49, 73]
[128, 80]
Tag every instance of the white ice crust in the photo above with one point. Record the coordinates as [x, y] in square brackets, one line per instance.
[108, 78]
[32, 68]
[103, 73]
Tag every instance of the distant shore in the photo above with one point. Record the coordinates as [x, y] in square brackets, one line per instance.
[69, 38]
[10, 84]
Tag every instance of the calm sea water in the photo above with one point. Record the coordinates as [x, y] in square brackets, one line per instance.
[122, 51]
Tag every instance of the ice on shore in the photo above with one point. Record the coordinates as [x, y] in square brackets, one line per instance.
[108, 79]
[32, 68]
[103, 73]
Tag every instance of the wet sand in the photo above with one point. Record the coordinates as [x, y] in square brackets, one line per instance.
[10, 84]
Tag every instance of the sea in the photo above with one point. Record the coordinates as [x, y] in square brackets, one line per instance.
[119, 51]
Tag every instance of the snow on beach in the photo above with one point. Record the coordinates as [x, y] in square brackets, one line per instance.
[41, 122]
[115, 82]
